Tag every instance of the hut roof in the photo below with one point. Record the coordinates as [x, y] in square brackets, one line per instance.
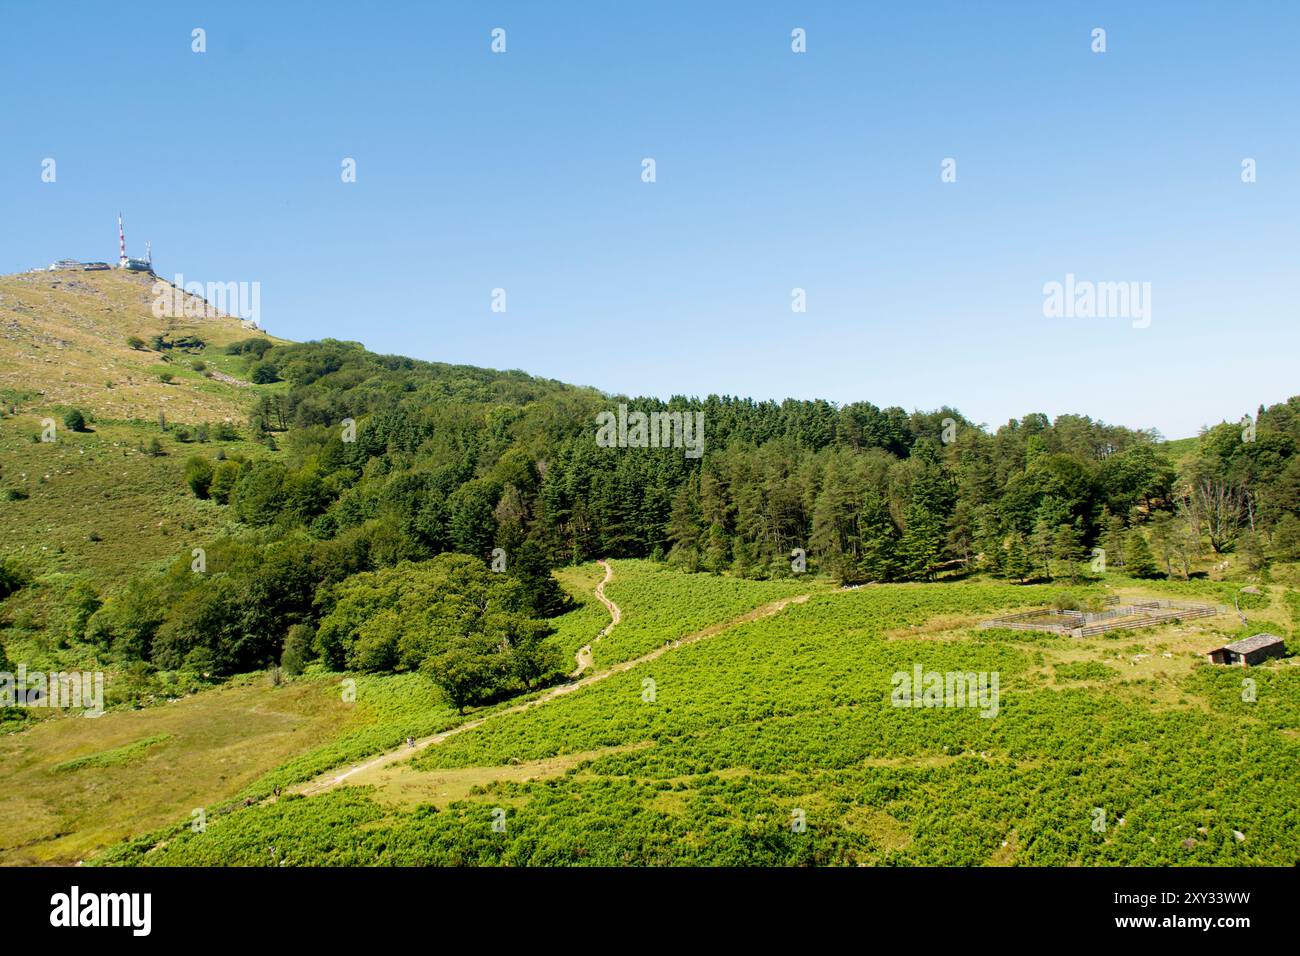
[1253, 643]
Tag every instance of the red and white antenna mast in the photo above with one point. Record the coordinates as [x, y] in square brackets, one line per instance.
[121, 241]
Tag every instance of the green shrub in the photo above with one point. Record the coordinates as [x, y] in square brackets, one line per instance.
[12, 576]
[297, 649]
[1065, 601]
[256, 347]
[264, 374]
[75, 420]
[224, 478]
[198, 475]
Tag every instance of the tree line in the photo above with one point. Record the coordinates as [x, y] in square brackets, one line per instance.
[390, 468]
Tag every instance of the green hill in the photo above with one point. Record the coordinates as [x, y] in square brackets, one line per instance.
[64, 342]
[316, 552]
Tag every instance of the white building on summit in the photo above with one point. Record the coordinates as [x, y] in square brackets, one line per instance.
[123, 260]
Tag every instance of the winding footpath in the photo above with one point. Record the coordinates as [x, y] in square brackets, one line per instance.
[333, 779]
[584, 656]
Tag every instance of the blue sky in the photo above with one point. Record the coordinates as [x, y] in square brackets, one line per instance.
[775, 170]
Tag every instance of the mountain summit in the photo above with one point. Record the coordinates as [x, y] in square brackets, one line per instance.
[91, 339]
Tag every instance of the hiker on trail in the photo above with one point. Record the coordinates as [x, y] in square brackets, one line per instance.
[410, 741]
[277, 792]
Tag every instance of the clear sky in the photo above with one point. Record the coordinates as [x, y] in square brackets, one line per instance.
[775, 171]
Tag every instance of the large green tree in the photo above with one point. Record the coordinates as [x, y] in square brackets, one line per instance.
[469, 628]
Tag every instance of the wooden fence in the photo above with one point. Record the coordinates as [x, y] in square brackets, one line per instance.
[1119, 618]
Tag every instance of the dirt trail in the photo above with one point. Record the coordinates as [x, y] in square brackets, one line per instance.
[399, 784]
[584, 656]
[330, 781]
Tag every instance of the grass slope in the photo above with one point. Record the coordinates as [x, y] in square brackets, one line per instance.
[94, 502]
[792, 713]
[661, 604]
[63, 342]
[86, 783]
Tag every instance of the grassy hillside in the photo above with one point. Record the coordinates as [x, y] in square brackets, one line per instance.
[790, 717]
[664, 605]
[63, 342]
[84, 512]
[719, 708]
[99, 502]
[89, 782]
[94, 782]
